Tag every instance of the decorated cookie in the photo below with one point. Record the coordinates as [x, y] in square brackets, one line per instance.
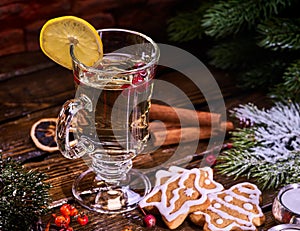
[234, 209]
[179, 192]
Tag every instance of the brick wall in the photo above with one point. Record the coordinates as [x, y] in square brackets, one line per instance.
[21, 20]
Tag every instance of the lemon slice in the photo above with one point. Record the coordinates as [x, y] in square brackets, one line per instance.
[58, 34]
[43, 134]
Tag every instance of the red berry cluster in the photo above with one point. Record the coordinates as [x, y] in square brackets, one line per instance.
[68, 211]
[138, 78]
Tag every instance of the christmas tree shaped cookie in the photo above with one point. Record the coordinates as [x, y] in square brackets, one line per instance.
[179, 192]
[234, 209]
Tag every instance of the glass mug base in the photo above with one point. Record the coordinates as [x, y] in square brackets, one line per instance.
[97, 195]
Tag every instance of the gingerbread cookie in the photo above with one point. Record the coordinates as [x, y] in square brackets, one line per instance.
[234, 209]
[179, 192]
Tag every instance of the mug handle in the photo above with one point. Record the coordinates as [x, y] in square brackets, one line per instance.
[78, 148]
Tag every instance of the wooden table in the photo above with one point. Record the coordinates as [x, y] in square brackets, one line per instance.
[32, 87]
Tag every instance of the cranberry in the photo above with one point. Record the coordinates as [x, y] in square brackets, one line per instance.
[143, 73]
[125, 86]
[65, 210]
[229, 145]
[82, 219]
[211, 159]
[149, 220]
[67, 229]
[126, 90]
[76, 80]
[62, 221]
[138, 65]
[137, 79]
[73, 211]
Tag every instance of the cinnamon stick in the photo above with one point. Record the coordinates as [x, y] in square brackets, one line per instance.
[163, 125]
[183, 116]
[173, 135]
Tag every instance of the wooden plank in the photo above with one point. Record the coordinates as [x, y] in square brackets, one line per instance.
[23, 95]
[15, 140]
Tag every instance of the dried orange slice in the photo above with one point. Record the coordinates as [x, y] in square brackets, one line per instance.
[58, 34]
[43, 134]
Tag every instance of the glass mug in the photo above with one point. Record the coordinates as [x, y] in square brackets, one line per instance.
[107, 122]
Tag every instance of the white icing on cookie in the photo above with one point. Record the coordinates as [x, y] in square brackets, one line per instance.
[207, 182]
[251, 201]
[166, 206]
[248, 206]
[228, 198]
[219, 221]
[189, 192]
[217, 205]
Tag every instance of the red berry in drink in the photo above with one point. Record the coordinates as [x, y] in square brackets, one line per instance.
[125, 86]
[149, 220]
[137, 79]
[126, 90]
[82, 219]
[143, 73]
[139, 64]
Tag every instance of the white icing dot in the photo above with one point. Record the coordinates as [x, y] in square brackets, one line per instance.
[248, 206]
[219, 221]
[207, 181]
[217, 205]
[228, 198]
[189, 192]
[252, 196]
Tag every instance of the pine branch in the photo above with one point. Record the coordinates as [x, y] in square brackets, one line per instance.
[232, 16]
[242, 163]
[187, 26]
[280, 34]
[23, 196]
[256, 40]
[235, 162]
[265, 73]
[236, 54]
[289, 89]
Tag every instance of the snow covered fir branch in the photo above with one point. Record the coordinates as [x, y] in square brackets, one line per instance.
[267, 149]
